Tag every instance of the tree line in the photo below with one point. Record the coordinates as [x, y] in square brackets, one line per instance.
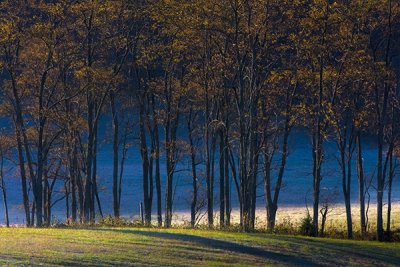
[221, 84]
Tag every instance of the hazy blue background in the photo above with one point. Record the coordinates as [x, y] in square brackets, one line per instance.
[297, 180]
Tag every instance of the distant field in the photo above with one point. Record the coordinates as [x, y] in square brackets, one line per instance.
[292, 215]
[131, 246]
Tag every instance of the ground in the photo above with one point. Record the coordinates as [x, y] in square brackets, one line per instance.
[180, 247]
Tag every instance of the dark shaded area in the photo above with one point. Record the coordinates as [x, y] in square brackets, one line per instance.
[326, 253]
[331, 252]
[224, 245]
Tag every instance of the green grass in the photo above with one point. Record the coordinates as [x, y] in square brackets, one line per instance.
[179, 247]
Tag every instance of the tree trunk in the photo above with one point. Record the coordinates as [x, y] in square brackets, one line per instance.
[210, 192]
[361, 184]
[210, 197]
[227, 199]
[146, 164]
[121, 173]
[317, 159]
[4, 191]
[269, 203]
[390, 184]
[38, 184]
[25, 196]
[73, 177]
[348, 203]
[67, 186]
[46, 215]
[115, 125]
[158, 175]
[95, 193]
[89, 160]
[193, 206]
[171, 127]
[221, 179]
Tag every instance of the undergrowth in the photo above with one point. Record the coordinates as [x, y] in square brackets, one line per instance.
[285, 227]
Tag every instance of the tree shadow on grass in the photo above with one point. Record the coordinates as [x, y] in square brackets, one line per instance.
[224, 245]
[340, 251]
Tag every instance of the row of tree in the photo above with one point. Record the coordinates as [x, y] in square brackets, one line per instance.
[220, 84]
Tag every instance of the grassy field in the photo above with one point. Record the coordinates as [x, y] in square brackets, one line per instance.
[179, 247]
[290, 217]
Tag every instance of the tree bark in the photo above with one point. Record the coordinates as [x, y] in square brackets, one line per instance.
[361, 184]
[115, 125]
[221, 179]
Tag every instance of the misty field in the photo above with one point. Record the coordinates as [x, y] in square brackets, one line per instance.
[179, 247]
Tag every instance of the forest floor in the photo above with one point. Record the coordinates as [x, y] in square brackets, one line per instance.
[180, 247]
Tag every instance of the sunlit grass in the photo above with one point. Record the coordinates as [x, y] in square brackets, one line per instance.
[182, 247]
[336, 218]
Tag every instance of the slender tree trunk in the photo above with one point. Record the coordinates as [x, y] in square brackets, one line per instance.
[345, 137]
[193, 206]
[361, 184]
[390, 172]
[236, 183]
[22, 144]
[348, 203]
[33, 211]
[171, 127]
[151, 187]
[210, 216]
[253, 187]
[25, 196]
[225, 157]
[347, 195]
[221, 179]
[4, 191]
[48, 204]
[158, 175]
[382, 115]
[95, 193]
[81, 194]
[390, 185]
[380, 188]
[317, 159]
[67, 186]
[73, 179]
[269, 203]
[88, 207]
[121, 173]
[210, 197]
[317, 146]
[272, 202]
[147, 161]
[89, 160]
[168, 188]
[227, 199]
[92, 205]
[209, 190]
[380, 170]
[115, 126]
[46, 218]
[38, 185]
[169, 183]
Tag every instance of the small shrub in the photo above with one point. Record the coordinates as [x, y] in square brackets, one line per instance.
[306, 226]
[286, 227]
[233, 227]
[395, 236]
[111, 221]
